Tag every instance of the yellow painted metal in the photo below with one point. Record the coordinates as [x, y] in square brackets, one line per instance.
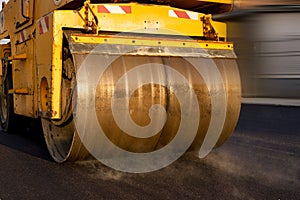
[56, 67]
[158, 21]
[13, 20]
[59, 19]
[11, 91]
[209, 6]
[26, 14]
[220, 28]
[24, 76]
[23, 91]
[138, 21]
[22, 56]
[152, 42]
[48, 6]
[218, 1]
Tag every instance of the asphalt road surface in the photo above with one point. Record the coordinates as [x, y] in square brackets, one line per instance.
[260, 161]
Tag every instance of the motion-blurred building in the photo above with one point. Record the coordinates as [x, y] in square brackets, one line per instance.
[267, 41]
[246, 4]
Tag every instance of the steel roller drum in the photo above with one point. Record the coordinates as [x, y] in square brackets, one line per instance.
[139, 100]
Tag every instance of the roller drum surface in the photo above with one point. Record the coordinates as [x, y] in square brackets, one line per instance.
[141, 103]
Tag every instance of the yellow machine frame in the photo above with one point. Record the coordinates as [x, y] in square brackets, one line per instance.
[138, 20]
[109, 22]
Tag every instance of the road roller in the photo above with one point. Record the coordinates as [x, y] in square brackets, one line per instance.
[118, 79]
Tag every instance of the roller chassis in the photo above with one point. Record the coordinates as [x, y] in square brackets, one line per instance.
[55, 92]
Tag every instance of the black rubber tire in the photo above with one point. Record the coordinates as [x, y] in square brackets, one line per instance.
[7, 116]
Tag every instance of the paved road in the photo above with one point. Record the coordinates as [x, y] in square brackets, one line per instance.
[260, 161]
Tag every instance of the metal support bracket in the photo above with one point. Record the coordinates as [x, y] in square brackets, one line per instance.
[89, 24]
[208, 30]
[18, 57]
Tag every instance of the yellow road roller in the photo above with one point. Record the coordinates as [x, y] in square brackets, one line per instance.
[119, 78]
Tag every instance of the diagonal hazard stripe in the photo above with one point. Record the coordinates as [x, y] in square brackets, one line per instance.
[43, 24]
[40, 28]
[102, 9]
[22, 36]
[127, 9]
[114, 9]
[181, 14]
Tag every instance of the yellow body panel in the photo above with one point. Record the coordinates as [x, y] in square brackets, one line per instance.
[152, 42]
[43, 52]
[138, 21]
[24, 76]
[44, 49]
[161, 20]
[48, 6]
[219, 1]
[56, 67]
[157, 21]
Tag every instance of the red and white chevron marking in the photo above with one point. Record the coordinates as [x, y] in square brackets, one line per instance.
[183, 14]
[43, 25]
[114, 9]
[22, 36]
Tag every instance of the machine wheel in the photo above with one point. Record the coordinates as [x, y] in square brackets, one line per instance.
[6, 100]
[63, 142]
[61, 138]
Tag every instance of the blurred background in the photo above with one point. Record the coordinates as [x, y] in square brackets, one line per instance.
[266, 34]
